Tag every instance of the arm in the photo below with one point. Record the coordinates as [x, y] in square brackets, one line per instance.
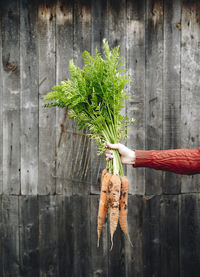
[181, 161]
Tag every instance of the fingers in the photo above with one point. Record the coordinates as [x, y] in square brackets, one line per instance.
[109, 155]
[112, 146]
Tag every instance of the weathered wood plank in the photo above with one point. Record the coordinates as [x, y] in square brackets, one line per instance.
[64, 143]
[189, 235]
[190, 84]
[81, 223]
[151, 237]
[10, 221]
[47, 117]
[1, 107]
[29, 97]
[169, 235]
[99, 19]
[1, 237]
[134, 255]
[99, 256]
[171, 88]
[11, 97]
[65, 235]
[29, 236]
[48, 236]
[82, 42]
[136, 89]
[154, 88]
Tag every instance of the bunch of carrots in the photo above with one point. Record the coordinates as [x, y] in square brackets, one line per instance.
[94, 97]
[113, 197]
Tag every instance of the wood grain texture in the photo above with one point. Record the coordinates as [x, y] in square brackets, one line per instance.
[169, 235]
[10, 221]
[99, 21]
[46, 29]
[99, 256]
[29, 236]
[81, 145]
[154, 88]
[1, 107]
[47, 236]
[134, 255]
[190, 84]
[81, 235]
[151, 237]
[1, 237]
[189, 234]
[11, 97]
[135, 104]
[172, 88]
[29, 97]
[64, 52]
[65, 235]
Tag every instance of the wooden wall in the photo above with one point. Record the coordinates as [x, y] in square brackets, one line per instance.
[49, 172]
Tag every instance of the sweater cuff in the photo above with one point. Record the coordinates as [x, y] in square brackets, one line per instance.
[143, 158]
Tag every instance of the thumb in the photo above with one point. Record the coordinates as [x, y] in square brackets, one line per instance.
[112, 146]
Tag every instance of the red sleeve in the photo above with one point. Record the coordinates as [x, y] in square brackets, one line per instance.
[181, 161]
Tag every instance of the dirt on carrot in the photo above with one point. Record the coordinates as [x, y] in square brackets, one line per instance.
[123, 209]
[103, 202]
[114, 192]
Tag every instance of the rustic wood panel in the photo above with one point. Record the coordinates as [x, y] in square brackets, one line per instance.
[81, 145]
[29, 97]
[10, 221]
[99, 256]
[151, 237]
[48, 236]
[154, 87]
[1, 107]
[1, 237]
[189, 235]
[11, 97]
[169, 235]
[47, 117]
[134, 255]
[190, 83]
[64, 52]
[171, 88]
[135, 28]
[65, 235]
[81, 235]
[29, 236]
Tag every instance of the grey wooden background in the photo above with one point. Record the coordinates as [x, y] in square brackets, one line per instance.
[49, 172]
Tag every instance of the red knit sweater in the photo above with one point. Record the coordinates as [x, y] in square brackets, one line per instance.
[181, 161]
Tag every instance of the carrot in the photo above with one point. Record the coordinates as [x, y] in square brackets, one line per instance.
[114, 191]
[123, 209]
[103, 202]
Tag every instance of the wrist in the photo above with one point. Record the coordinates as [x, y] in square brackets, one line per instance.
[132, 157]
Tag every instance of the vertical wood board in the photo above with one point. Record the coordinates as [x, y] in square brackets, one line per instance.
[190, 84]
[172, 88]
[11, 97]
[10, 221]
[29, 236]
[29, 97]
[47, 116]
[64, 53]
[135, 104]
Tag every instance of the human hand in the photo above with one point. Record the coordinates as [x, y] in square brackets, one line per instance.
[127, 155]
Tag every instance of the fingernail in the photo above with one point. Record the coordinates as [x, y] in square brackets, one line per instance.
[106, 146]
[110, 151]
